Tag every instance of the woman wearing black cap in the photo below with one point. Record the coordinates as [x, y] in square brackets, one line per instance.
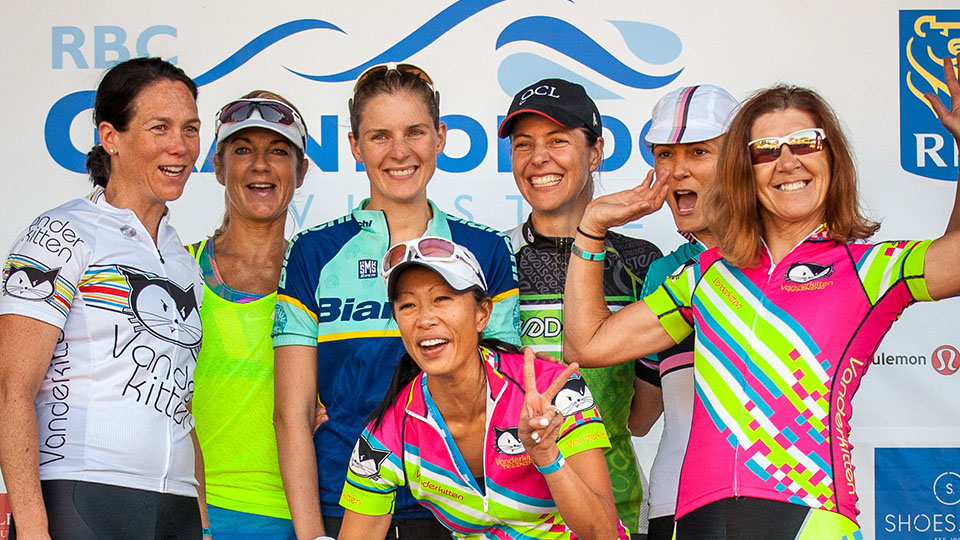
[556, 146]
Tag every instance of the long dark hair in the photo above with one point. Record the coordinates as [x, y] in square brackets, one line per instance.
[116, 95]
[407, 370]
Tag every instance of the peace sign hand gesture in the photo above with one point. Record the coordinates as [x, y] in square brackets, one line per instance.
[540, 421]
[949, 117]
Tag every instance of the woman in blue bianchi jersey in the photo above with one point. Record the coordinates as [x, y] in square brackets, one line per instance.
[333, 333]
[99, 332]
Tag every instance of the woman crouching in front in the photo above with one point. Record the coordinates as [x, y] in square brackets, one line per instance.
[496, 444]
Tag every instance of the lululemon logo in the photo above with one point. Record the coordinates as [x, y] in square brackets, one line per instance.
[946, 360]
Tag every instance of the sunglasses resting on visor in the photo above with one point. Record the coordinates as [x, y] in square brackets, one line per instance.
[805, 141]
[428, 248]
[272, 111]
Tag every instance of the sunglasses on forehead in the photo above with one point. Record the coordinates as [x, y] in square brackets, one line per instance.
[805, 141]
[383, 70]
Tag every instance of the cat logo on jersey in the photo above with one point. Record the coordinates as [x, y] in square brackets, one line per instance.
[805, 272]
[574, 397]
[507, 441]
[365, 460]
[30, 283]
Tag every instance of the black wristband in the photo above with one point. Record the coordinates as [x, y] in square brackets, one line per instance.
[579, 230]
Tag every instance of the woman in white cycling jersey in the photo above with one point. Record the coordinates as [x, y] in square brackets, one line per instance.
[333, 334]
[99, 332]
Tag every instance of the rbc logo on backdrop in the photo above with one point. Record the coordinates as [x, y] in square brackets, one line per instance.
[926, 37]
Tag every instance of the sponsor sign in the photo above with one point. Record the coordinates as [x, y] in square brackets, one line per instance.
[926, 37]
[917, 493]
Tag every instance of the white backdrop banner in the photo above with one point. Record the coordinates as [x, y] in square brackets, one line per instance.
[871, 61]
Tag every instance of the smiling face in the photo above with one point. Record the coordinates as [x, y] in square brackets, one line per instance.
[398, 146]
[153, 158]
[791, 190]
[552, 164]
[261, 171]
[439, 326]
[691, 169]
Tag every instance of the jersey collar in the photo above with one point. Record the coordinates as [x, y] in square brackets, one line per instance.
[375, 221]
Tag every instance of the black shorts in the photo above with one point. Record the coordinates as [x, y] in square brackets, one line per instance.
[89, 511]
[400, 529]
[748, 518]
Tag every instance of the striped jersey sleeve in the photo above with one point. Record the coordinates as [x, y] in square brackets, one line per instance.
[671, 302]
[375, 470]
[295, 318]
[884, 265]
[582, 427]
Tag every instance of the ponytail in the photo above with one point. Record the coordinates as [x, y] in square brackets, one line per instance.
[407, 370]
[98, 165]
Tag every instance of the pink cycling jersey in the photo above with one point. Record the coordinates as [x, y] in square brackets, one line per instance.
[412, 446]
[780, 350]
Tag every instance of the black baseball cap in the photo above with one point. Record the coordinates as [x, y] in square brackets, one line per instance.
[564, 102]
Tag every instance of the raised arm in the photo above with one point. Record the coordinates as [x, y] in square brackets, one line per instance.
[295, 398]
[943, 255]
[26, 347]
[592, 335]
[580, 487]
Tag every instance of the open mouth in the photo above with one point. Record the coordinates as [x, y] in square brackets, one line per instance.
[686, 201]
[432, 344]
[546, 180]
[403, 173]
[261, 187]
[172, 171]
[793, 186]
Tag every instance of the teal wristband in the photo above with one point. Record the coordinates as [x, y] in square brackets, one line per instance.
[553, 467]
[206, 532]
[587, 255]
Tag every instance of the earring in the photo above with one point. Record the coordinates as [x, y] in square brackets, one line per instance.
[113, 150]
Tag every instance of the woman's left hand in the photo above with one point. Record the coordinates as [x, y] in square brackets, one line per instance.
[540, 420]
[949, 117]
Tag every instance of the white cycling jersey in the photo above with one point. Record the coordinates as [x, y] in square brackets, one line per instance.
[112, 407]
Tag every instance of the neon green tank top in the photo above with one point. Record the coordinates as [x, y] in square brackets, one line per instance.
[233, 404]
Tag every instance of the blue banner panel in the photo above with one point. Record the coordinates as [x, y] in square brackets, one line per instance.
[917, 493]
[926, 38]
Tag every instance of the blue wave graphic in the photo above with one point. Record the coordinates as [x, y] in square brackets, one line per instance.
[570, 41]
[651, 43]
[521, 69]
[259, 43]
[416, 41]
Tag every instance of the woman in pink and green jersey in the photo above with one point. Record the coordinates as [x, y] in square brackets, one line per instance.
[496, 444]
[787, 311]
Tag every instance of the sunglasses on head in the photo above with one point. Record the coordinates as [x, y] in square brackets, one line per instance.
[805, 141]
[381, 72]
[428, 249]
[273, 111]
